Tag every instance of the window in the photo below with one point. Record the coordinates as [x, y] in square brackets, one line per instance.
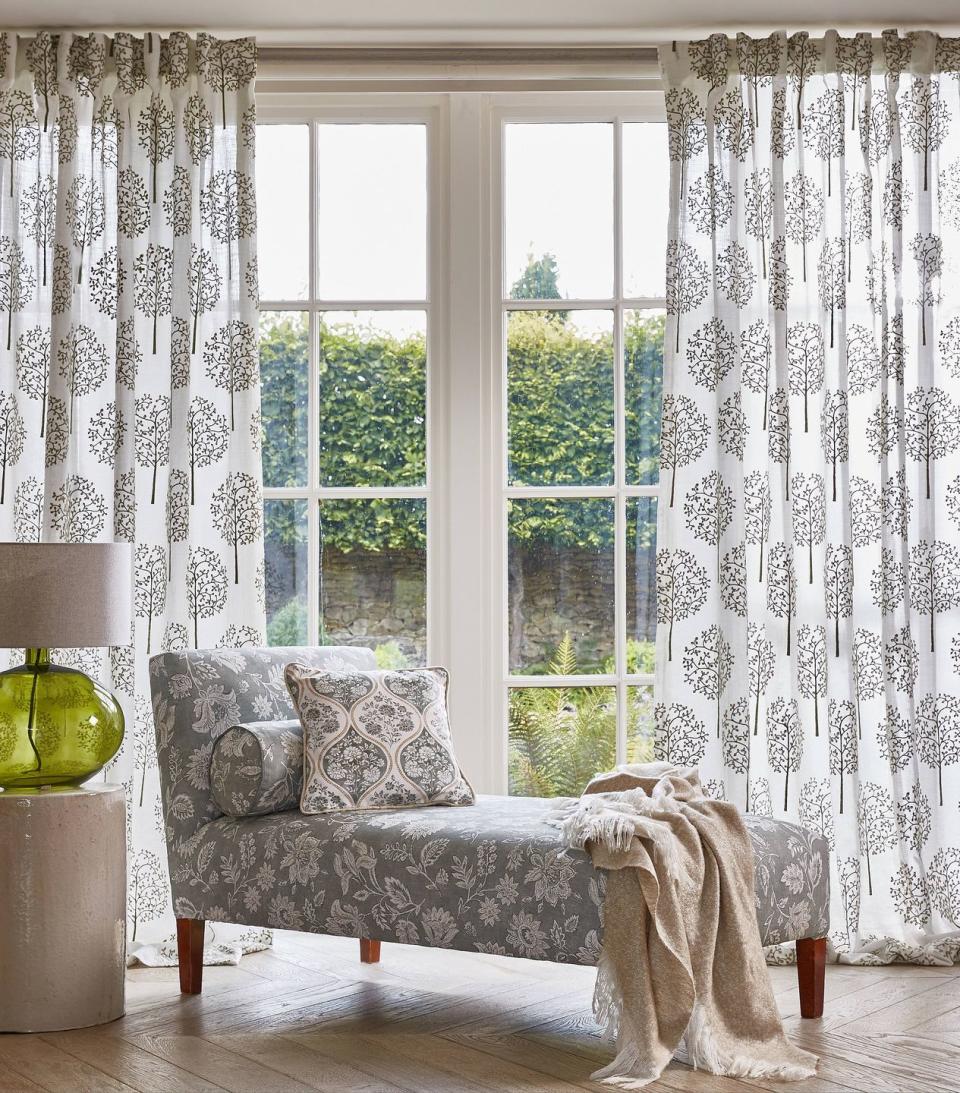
[344, 330]
[462, 330]
[583, 319]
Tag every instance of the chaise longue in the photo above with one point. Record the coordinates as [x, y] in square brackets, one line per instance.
[493, 877]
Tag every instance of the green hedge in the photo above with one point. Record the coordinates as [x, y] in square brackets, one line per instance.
[371, 401]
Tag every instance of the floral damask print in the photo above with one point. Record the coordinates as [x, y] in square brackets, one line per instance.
[526, 937]
[391, 720]
[420, 690]
[809, 555]
[302, 859]
[354, 763]
[346, 687]
[425, 762]
[394, 793]
[550, 874]
[376, 739]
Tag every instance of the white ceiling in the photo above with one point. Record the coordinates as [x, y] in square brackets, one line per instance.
[493, 21]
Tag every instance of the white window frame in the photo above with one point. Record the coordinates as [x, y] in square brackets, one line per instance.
[617, 110]
[466, 487]
[313, 111]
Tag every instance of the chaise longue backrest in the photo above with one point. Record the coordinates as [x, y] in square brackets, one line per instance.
[198, 695]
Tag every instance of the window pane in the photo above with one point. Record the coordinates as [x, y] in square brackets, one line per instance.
[646, 206]
[285, 550]
[561, 586]
[284, 379]
[641, 559]
[372, 398]
[372, 212]
[558, 240]
[283, 219]
[642, 382]
[560, 397]
[639, 724]
[373, 577]
[559, 738]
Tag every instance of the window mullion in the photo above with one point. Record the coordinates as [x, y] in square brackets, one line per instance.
[369, 493]
[313, 503]
[602, 303]
[345, 305]
[619, 549]
[551, 681]
[535, 492]
[618, 209]
[313, 437]
[645, 303]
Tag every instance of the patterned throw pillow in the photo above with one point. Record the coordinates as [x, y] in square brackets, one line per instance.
[375, 740]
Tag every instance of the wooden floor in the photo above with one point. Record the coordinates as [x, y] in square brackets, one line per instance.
[309, 1015]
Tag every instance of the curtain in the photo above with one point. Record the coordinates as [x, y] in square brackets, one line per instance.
[809, 530]
[129, 386]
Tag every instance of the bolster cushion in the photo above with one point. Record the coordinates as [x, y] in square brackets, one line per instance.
[257, 767]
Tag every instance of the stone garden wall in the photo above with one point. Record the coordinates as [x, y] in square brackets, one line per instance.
[383, 600]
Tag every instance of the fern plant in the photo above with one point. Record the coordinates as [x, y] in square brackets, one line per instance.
[560, 736]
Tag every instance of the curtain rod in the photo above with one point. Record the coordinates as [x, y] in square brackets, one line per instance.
[453, 55]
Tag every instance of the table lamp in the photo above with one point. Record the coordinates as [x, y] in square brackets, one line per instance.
[57, 726]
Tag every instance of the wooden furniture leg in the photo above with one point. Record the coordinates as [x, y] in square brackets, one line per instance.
[190, 954]
[369, 951]
[811, 970]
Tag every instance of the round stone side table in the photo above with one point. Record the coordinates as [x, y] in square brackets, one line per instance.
[62, 907]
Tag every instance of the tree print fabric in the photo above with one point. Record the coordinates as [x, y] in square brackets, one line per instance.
[808, 569]
[129, 389]
[495, 876]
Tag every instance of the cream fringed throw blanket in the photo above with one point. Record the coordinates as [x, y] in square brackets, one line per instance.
[682, 969]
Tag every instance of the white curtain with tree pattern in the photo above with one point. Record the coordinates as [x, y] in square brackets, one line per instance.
[809, 531]
[129, 386]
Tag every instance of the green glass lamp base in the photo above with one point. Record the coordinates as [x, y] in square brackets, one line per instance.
[57, 726]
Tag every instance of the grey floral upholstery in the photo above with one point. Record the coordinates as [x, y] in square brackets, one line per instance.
[791, 879]
[493, 877]
[258, 768]
[197, 696]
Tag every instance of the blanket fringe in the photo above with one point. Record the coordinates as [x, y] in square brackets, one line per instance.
[703, 1054]
[607, 1007]
[627, 1071]
[631, 1070]
[613, 821]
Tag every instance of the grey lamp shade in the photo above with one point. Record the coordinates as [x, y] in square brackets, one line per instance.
[64, 595]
